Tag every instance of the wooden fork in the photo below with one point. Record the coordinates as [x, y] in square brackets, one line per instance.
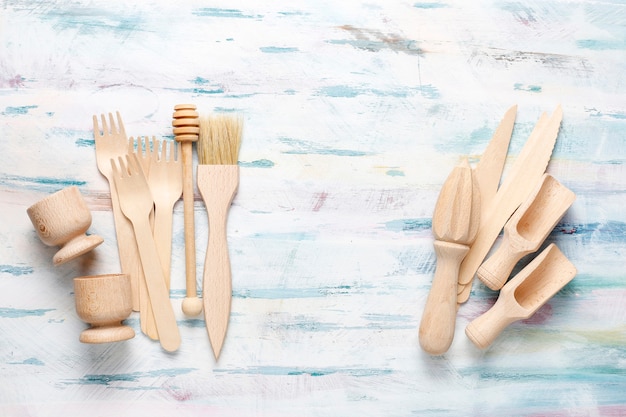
[166, 184]
[165, 180]
[111, 142]
[136, 203]
[141, 147]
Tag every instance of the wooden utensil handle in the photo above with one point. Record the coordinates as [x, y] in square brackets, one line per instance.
[218, 185]
[188, 218]
[163, 217]
[495, 271]
[217, 284]
[169, 335]
[437, 326]
[186, 130]
[483, 330]
[126, 245]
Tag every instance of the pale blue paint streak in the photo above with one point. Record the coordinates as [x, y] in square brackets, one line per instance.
[301, 147]
[429, 5]
[48, 184]
[259, 163]
[318, 372]
[223, 13]
[277, 49]
[601, 45]
[17, 110]
[16, 313]
[29, 361]
[529, 88]
[16, 270]
[408, 225]
[108, 379]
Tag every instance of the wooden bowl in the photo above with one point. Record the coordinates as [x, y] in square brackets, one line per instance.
[104, 301]
[61, 219]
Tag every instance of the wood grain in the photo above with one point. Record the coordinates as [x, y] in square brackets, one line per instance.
[355, 113]
[521, 297]
[218, 185]
[527, 229]
[455, 223]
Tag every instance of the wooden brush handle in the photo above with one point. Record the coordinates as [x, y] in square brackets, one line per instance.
[437, 326]
[186, 130]
[217, 185]
[483, 330]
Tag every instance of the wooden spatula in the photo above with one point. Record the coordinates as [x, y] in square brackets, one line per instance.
[455, 224]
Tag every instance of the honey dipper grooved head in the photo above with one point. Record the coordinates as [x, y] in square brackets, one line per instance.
[186, 123]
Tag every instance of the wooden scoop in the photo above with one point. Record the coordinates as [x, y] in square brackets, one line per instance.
[527, 229]
[455, 224]
[521, 297]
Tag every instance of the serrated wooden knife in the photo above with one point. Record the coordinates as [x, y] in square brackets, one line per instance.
[530, 165]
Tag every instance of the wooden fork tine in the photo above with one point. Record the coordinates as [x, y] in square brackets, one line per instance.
[117, 172]
[120, 124]
[168, 151]
[135, 145]
[111, 128]
[105, 129]
[131, 145]
[175, 151]
[115, 129]
[96, 127]
[134, 166]
[155, 149]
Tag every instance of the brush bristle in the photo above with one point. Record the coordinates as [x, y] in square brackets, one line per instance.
[220, 139]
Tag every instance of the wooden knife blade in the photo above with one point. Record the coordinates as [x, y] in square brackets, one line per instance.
[489, 169]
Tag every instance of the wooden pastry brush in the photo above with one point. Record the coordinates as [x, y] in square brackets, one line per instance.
[218, 179]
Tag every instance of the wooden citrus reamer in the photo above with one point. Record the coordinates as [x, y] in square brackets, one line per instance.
[455, 224]
[186, 130]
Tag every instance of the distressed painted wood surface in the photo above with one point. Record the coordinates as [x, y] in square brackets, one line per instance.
[355, 112]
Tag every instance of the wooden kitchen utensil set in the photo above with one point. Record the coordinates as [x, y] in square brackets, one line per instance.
[147, 177]
[146, 184]
[470, 213]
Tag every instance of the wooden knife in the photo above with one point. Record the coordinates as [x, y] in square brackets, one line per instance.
[516, 187]
[488, 171]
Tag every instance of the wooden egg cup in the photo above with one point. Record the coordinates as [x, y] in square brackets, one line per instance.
[104, 301]
[62, 219]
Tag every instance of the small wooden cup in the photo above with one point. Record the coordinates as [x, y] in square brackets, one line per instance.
[61, 219]
[104, 301]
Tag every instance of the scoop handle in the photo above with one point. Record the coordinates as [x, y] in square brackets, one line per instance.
[495, 271]
[439, 318]
[483, 330]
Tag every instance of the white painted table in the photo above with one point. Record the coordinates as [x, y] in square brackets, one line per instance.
[355, 112]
